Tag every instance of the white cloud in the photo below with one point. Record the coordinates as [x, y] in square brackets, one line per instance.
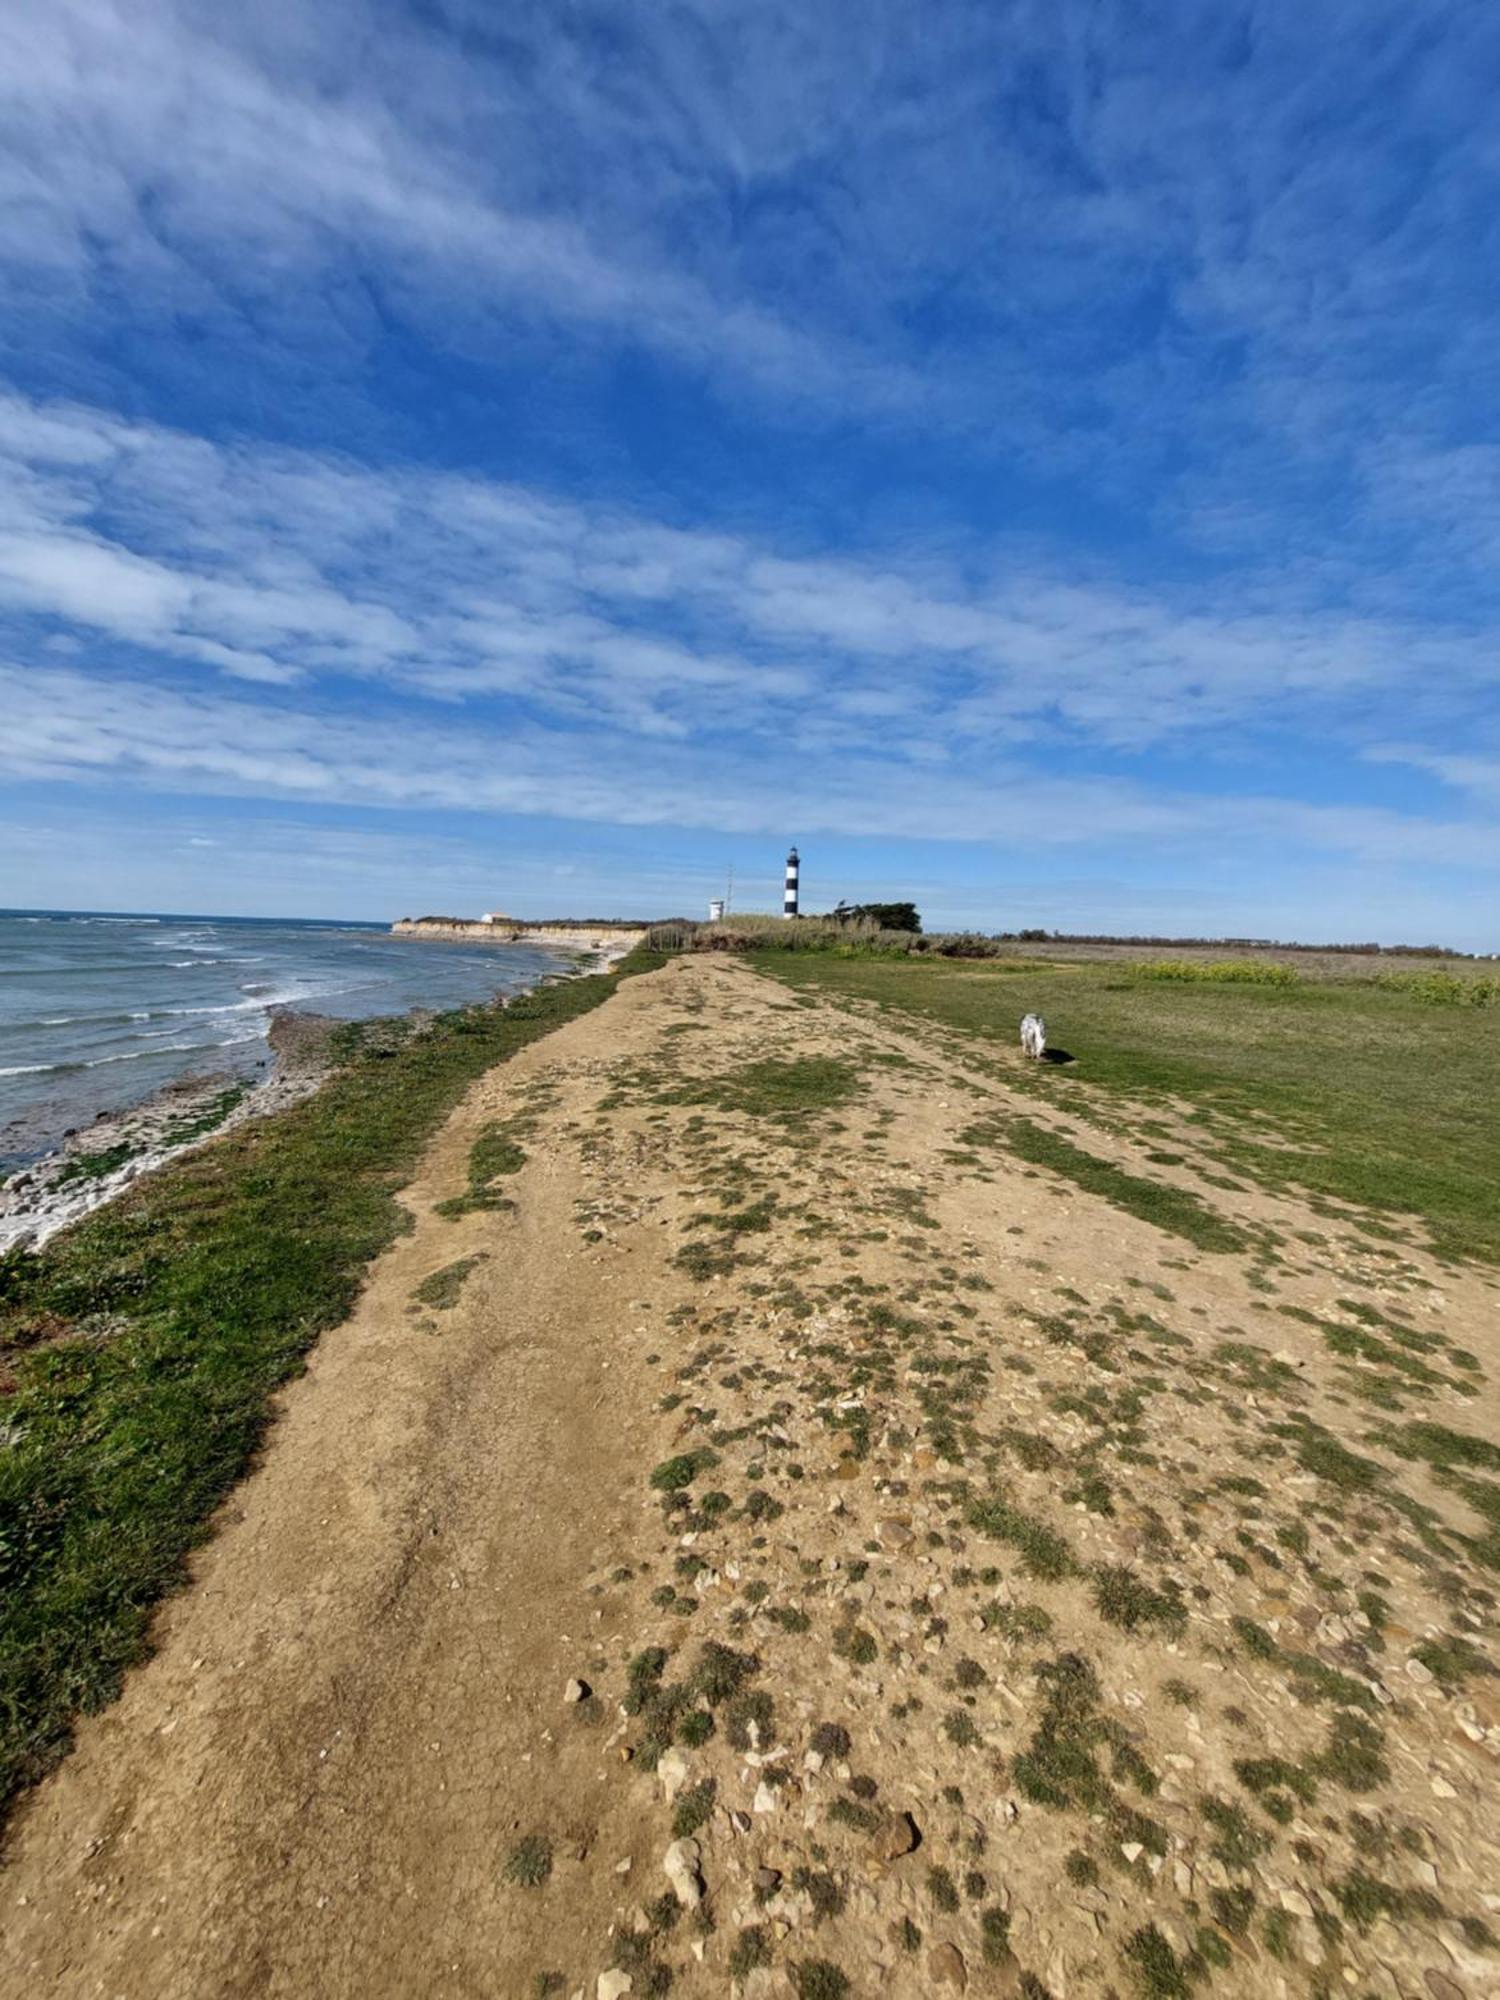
[173, 150]
[64, 724]
[273, 565]
[1472, 772]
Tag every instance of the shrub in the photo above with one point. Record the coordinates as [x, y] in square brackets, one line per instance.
[674, 1474]
[529, 1862]
[1442, 989]
[1219, 972]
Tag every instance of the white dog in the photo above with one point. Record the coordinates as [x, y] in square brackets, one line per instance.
[1034, 1036]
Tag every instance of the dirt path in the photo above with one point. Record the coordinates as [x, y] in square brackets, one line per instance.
[1004, 1591]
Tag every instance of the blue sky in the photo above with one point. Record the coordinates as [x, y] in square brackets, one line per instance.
[1045, 459]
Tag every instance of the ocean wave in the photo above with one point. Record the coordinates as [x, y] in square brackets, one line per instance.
[225, 1007]
[129, 1055]
[62, 970]
[124, 1020]
[288, 996]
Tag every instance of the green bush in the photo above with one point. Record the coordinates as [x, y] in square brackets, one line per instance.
[1219, 971]
[1442, 989]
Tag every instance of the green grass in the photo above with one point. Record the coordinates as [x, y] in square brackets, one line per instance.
[209, 1282]
[1217, 972]
[441, 1289]
[1174, 1209]
[95, 1166]
[530, 1862]
[784, 1091]
[1044, 1553]
[493, 1154]
[694, 1809]
[179, 1131]
[1373, 1095]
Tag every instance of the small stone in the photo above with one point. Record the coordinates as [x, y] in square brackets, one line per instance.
[768, 1880]
[1441, 1789]
[672, 1769]
[613, 1985]
[576, 1691]
[680, 1866]
[1295, 1903]
[895, 1836]
[765, 1798]
[945, 1967]
[1417, 1672]
[1440, 1986]
[1132, 1850]
[740, 1821]
[893, 1533]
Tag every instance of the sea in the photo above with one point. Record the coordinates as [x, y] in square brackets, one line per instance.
[98, 1012]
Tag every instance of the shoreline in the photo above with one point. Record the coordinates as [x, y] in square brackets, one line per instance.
[98, 1162]
[93, 1165]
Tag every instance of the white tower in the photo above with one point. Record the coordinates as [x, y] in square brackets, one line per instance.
[789, 901]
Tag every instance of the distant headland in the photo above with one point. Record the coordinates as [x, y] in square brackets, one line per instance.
[608, 938]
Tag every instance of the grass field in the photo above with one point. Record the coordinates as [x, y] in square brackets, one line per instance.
[1351, 1090]
[140, 1350]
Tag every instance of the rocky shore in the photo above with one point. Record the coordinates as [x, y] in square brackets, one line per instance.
[99, 1161]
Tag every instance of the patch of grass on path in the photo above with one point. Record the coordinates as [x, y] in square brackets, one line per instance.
[442, 1289]
[786, 1091]
[1354, 1091]
[1172, 1208]
[494, 1154]
[146, 1343]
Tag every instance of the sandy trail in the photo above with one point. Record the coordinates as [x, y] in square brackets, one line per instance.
[356, 1711]
[313, 1784]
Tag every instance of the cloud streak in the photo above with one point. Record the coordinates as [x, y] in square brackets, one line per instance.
[64, 724]
[1014, 424]
[278, 566]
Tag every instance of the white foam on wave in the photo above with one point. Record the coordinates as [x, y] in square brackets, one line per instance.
[288, 996]
[226, 1007]
[128, 1055]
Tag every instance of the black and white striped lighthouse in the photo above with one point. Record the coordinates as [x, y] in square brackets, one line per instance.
[789, 900]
